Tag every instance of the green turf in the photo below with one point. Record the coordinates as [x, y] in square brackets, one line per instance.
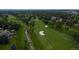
[52, 40]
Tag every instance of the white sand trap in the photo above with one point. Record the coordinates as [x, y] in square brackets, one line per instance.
[46, 26]
[42, 33]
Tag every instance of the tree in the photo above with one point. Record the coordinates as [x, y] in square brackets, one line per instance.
[58, 26]
[4, 40]
[13, 47]
[76, 37]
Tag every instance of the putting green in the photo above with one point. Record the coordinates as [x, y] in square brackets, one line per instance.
[52, 39]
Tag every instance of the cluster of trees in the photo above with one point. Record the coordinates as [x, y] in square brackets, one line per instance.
[76, 37]
[4, 40]
[5, 25]
[8, 25]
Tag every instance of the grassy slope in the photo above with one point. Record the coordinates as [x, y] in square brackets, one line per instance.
[19, 39]
[52, 40]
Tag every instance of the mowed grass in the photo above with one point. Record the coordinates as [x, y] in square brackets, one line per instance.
[52, 40]
[19, 39]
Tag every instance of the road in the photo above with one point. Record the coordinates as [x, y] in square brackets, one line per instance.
[29, 41]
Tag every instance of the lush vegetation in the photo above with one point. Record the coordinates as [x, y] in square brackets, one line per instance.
[62, 31]
[19, 39]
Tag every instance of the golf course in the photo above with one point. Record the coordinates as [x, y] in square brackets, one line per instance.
[39, 30]
[51, 39]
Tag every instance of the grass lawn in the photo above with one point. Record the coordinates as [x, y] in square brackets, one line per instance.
[19, 39]
[52, 40]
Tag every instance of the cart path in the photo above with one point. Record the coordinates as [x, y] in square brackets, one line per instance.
[29, 41]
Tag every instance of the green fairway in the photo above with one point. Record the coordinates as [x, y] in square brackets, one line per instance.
[52, 39]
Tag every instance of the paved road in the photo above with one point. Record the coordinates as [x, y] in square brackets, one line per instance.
[29, 41]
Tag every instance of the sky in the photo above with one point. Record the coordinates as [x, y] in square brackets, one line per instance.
[39, 4]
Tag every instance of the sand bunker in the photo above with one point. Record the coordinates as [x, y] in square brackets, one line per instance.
[46, 26]
[42, 33]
